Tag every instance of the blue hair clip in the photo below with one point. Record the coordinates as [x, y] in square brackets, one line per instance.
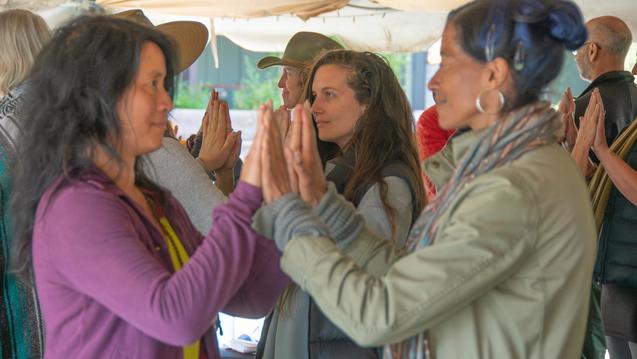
[497, 18]
[489, 47]
[519, 58]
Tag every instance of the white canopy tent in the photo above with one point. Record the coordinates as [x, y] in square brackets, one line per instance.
[267, 25]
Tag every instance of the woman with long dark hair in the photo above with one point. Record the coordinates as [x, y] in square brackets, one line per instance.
[367, 141]
[501, 261]
[120, 269]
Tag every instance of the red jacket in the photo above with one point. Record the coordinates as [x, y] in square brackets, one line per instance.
[431, 139]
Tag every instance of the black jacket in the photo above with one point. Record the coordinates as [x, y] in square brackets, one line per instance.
[617, 248]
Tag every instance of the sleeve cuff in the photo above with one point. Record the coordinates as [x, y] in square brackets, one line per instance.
[248, 195]
[340, 216]
[286, 218]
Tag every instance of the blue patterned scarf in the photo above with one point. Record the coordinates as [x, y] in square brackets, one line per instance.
[519, 132]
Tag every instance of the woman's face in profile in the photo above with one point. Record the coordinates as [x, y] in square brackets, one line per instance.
[335, 108]
[291, 86]
[144, 107]
[456, 84]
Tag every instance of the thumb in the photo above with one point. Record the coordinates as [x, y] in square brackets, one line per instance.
[237, 142]
[228, 144]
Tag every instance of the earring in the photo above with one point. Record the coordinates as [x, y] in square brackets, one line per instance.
[501, 102]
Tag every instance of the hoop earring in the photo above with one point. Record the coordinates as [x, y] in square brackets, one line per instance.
[501, 101]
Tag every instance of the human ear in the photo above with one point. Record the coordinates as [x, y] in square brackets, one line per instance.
[363, 109]
[497, 73]
[593, 51]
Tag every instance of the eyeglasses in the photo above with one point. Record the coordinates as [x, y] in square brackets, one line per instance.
[584, 44]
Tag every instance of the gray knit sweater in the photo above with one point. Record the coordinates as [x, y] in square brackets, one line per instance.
[173, 168]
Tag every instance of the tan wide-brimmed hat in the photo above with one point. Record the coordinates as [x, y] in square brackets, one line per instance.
[301, 50]
[190, 37]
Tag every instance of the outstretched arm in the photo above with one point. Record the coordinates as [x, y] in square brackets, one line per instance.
[621, 174]
[424, 288]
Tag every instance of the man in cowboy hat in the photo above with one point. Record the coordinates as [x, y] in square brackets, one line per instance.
[297, 60]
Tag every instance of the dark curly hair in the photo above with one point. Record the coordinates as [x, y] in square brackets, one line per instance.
[75, 85]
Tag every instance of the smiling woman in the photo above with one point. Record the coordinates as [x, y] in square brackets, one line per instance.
[144, 106]
[113, 254]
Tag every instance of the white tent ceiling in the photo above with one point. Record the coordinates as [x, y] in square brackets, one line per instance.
[266, 25]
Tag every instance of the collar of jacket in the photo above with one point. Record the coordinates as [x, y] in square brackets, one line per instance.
[611, 77]
[460, 144]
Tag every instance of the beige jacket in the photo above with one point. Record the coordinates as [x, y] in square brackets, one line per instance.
[508, 275]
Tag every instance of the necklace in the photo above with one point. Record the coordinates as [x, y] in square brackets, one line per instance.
[174, 249]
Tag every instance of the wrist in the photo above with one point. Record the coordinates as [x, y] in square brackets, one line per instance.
[228, 166]
[318, 195]
[602, 153]
[248, 194]
[204, 166]
[207, 163]
[223, 171]
[580, 149]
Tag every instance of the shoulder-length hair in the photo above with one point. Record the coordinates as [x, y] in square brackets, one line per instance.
[383, 134]
[22, 36]
[75, 86]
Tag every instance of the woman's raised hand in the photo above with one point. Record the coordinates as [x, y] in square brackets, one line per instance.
[233, 156]
[303, 157]
[251, 170]
[220, 146]
[274, 174]
[282, 118]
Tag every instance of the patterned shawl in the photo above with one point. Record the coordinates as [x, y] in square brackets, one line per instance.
[20, 322]
[519, 132]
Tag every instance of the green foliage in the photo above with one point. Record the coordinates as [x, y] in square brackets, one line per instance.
[399, 63]
[191, 96]
[257, 87]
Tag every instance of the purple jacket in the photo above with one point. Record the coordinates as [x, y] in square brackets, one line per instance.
[106, 284]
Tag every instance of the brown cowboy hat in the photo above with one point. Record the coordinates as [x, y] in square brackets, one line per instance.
[301, 50]
[190, 37]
